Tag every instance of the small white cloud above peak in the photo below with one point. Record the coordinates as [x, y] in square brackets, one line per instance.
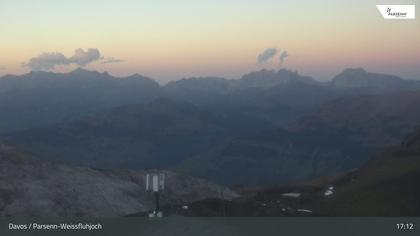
[265, 58]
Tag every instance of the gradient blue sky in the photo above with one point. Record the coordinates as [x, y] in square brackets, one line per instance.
[168, 39]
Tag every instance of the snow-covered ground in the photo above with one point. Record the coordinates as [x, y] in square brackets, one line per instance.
[329, 191]
[295, 195]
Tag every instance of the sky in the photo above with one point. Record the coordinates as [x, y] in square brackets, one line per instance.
[168, 40]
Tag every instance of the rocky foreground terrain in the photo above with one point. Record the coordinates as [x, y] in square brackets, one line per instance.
[31, 187]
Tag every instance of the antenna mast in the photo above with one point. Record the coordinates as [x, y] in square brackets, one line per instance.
[155, 182]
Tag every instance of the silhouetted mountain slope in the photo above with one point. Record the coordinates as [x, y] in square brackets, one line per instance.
[262, 79]
[386, 186]
[30, 187]
[277, 97]
[358, 78]
[375, 120]
[226, 130]
[208, 89]
[278, 105]
[282, 96]
[276, 157]
[227, 147]
[42, 98]
[271, 78]
[294, 94]
[158, 134]
[198, 90]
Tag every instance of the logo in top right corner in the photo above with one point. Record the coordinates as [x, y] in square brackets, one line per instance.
[397, 11]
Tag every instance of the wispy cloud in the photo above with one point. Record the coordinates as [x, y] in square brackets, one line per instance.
[49, 60]
[111, 60]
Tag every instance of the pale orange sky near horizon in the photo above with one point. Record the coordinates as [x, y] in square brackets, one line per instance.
[169, 40]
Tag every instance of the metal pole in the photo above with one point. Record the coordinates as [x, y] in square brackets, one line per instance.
[157, 202]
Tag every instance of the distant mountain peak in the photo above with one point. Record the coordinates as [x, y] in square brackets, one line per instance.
[269, 78]
[34, 72]
[269, 74]
[286, 71]
[39, 73]
[354, 71]
[360, 78]
[81, 71]
[137, 76]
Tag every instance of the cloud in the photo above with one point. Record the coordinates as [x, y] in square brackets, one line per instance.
[49, 60]
[283, 57]
[2, 67]
[265, 56]
[111, 60]
[83, 58]
[46, 61]
[268, 54]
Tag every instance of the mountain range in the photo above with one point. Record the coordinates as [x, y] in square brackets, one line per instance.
[42, 98]
[268, 127]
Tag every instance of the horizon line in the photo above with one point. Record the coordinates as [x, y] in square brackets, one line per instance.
[197, 77]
